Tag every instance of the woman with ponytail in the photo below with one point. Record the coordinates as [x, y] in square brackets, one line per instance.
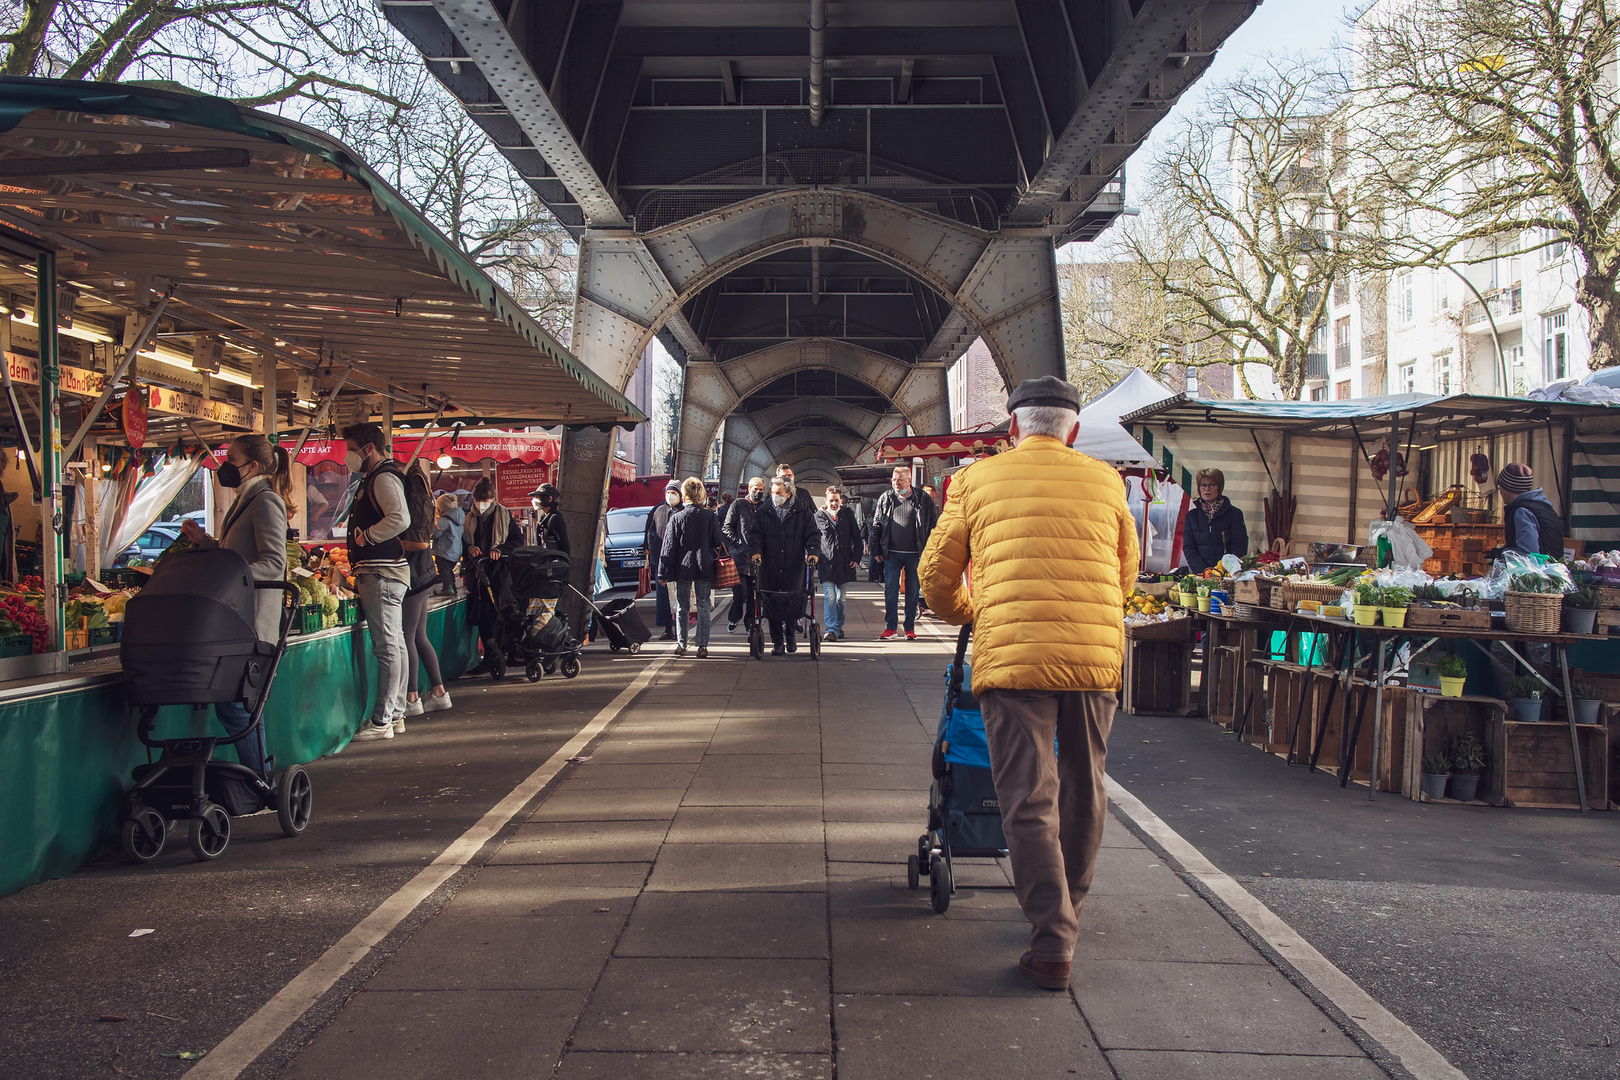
[255, 528]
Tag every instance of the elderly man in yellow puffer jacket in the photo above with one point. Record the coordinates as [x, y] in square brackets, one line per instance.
[1053, 554]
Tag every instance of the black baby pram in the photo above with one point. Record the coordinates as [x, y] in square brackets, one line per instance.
[803, 600]
[964, 815]
[528, 629]
[623, 625]
[190, 639]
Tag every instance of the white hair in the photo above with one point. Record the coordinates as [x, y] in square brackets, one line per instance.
[1050, 420]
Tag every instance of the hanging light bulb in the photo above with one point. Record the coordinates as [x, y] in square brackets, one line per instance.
[444, 461]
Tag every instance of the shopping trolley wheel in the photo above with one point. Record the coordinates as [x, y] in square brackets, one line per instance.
[815, 641]
[939, 884]
[570, 667]
[143, 835]
[533, 672]
[756, 642]
[913, 872]
[295, 800]
[635, 647]
[210, 833]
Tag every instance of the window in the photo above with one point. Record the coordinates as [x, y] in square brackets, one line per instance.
[1513, 358]
[1406, 378]
[1406, 297]
[1341, 390]
[1442, 374]
[1192, 382]
[1341, 343]
[1553, 246]
[1318, 393]
[1341, 292]
[1555, 346]
[1442, 291]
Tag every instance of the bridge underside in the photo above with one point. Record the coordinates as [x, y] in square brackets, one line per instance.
[816, 207]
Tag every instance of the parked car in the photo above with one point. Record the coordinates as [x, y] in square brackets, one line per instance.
[149, 545]
[626, 529]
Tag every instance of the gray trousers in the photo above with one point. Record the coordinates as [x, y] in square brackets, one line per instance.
[1052, 805]
[382, 599]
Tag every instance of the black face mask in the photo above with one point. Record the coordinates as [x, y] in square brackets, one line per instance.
[228, 475]
[756, 496]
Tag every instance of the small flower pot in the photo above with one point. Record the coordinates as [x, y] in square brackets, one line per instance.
[1203, 604]
[1394, 616]
[1434, 784]
[1366, 616]
[1464, 786]
[1187, 599]
[1526, 710]
[1450, 687]
[1579, 620]
[1586, 710]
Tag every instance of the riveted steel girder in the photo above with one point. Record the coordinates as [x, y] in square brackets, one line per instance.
[924, 398]
[770, 421]
[490, 45]
[1012, 294]
[845, 446]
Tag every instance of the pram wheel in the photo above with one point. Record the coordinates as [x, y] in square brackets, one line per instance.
[815, 640]
[295, 800]
[143, 836]
[211, 833]
[924, 851]
[939, 884]
[913, 872]
[570, 667]
[533, 672]
[497, 667]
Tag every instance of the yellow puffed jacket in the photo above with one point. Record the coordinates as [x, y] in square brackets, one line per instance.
[1054, 553]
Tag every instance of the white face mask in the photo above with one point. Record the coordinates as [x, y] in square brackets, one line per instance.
[672, 497]
[778, 498]
[353, 460]
[483, 507]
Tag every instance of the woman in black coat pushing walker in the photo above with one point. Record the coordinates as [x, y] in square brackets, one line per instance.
[782, 541]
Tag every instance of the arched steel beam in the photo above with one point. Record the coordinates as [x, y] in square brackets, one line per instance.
[845, 445]
[771, 420]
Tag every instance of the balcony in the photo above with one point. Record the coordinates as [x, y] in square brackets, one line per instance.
[1316, 366]
[1341, 356]
[1505, 307]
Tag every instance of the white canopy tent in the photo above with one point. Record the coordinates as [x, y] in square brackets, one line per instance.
[1101, 434]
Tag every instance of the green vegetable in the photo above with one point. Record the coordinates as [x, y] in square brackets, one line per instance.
[1587, 599]
[1367, 594]
[1394, 596]
[1534, 583]
[1428, 592]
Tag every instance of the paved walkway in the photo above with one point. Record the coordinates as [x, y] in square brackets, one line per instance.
[720, 891]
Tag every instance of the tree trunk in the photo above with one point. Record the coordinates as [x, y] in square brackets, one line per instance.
[30, 41]
[1595, 293]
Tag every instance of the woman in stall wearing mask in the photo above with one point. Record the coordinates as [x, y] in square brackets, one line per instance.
[738, 520]
[255, 528]
[653, 543]
[489, 532]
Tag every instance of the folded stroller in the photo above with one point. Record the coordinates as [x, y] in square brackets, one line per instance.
[964, 815]
[190, 638]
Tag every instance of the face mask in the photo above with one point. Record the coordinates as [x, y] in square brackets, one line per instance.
[672, 498]
[228, 475]
[353, 460]
[535, 503]
[778, 499]
[756, 496]
[788, 480]
[483, 507]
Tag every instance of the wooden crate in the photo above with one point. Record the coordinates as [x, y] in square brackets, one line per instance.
[1176, 630]
[1157, 678]
[1426, 618]
[1256, 591]
[1333, 724]
[1221, 667]
[1429, 721]
[1530, 765]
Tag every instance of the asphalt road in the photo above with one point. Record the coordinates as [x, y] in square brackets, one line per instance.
[1493, 933]
[231, 933]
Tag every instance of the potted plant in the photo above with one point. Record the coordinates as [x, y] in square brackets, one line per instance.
[1467, 761]
[1392, 601]
[1436, 772]
[1587, 700]
[1366, 603]
[1203, 596]
[1187, 591]
[1524, 693]
[1580, 611]
[1453, 675]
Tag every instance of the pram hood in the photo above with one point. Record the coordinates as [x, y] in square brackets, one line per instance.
[961, 726]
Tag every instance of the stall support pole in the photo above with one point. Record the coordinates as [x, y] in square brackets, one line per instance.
[267, 393]
[50, 447]
[1378, 717]
[1574, 735]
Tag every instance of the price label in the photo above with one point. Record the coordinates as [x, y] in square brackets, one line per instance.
[96, 585]
[299, 571]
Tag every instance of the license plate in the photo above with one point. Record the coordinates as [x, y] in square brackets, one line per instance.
[633, 563]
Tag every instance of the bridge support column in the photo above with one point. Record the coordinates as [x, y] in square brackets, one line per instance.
[1012, 294]
[925, 399]
[741, 439]
[707, 398]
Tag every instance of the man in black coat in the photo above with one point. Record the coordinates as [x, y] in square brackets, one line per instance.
[739, 519]
[841, 549]
[901, 522]
[653, 545]
[782, 541]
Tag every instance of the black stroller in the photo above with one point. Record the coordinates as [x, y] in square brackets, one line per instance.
[190, 639]
[528, 630]
[964, 815]
[805, 596]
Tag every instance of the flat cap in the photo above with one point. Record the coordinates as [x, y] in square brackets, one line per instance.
[1048, 391]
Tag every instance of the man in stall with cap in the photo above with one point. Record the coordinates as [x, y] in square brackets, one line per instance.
[1531, 524]
[1053, 553]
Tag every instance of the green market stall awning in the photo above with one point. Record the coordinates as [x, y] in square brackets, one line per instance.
[276, 237]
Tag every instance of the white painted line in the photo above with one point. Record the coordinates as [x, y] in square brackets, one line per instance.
[242, 1047]
[1423, 1061]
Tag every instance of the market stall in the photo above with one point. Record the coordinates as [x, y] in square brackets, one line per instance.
[175, 270]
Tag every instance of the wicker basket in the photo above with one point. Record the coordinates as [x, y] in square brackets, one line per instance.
[1534, 613]
[1294, 592]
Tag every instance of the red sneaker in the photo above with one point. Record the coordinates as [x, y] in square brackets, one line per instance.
[886, 635]
[911, 635]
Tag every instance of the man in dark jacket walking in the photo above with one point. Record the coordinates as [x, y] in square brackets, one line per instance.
[901, 522]
[739, 519]
[841, 549]
[653, 545]
[782, 541]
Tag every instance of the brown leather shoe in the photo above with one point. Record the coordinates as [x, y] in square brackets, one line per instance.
[1046, 974]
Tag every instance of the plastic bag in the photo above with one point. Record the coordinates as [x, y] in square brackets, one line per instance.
[1231, 564]
[1514, 564]
[1405, 545]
